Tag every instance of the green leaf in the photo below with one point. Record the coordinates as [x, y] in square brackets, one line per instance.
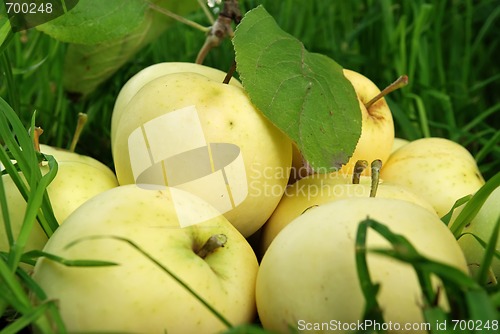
[96, 21]
[87, 66]
[304, 94]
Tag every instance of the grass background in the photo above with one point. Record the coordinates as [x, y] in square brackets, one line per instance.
[448, 49]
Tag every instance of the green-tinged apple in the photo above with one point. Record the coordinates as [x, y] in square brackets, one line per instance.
[134, 84]
[317, 189]
[137, 296]
[398, 142]
[308, 274]
[438, 169]
[482, 226]
[78, 179]
[188, 131]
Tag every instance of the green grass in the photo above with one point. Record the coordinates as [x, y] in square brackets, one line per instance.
[448, 49]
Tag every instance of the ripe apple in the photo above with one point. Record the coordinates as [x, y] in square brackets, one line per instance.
[317, 189]
[482, 226]
[191, 132]
[308, 274]
[134, 84]
[78, 179]
[377, 126]
[398, 142]
[438, 169]
[136, 295]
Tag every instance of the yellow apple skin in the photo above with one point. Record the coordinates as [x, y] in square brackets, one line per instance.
[398, 142]
[226, 116]
[377, 126]
[482, 225]
[437, 169]
[317, 189]
[309, 271]
[134, 84]
[78, 179]
[136, 295]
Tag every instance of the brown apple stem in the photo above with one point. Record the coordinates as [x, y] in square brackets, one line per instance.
[375, 166]
[400, 82]
[230, 73]
[214, 242]
[36, 138]
[358, 170]
[82, 120]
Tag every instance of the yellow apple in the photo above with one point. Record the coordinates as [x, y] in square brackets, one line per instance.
[377, 126]
[308, 275]
[78, 179]
[398, 142]
[136, 296]
[438, 169]
[187, 131]
[317, 189]
[134, 84]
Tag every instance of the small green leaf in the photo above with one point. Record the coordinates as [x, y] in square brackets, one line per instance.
[304, 94]
[96, 21]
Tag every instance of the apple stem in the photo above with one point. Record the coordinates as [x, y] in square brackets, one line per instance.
[214, 242]
[358, 170]
[37, 132]
[399, 83]
[82, 119]
[230, 73]
[375, 166]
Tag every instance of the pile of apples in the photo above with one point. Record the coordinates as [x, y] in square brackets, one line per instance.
[200, 171]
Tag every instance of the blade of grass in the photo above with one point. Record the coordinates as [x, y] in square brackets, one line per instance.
[474, 205]
[422, 115]
[461, 201]
[372, 310]
[482, 275]
[488, 147]
[35, 254]
[26, 319]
